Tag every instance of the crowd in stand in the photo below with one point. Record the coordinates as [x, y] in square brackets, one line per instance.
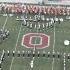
[21, 8]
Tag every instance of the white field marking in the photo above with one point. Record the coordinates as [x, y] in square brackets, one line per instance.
[5, 23]
[54, 39]
[35, 41]
[53, 47]
[16, 46]
[2, 55]
[35, 44]
[64, 63]
[34, 49]
[53, 64]
[36, 38]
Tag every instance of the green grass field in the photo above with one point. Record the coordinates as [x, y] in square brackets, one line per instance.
[57, 34]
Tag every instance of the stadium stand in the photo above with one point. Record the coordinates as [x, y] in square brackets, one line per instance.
[21, 8]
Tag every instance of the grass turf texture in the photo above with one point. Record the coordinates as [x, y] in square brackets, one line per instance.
[17, 31]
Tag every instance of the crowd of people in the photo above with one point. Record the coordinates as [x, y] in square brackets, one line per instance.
[40, 22]
[3, 34]
[21, 8]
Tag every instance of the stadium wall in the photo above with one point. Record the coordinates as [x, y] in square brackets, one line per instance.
[57, 2]
[46, 2]
[20, 1]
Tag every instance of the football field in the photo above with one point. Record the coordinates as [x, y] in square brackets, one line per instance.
[56, 36]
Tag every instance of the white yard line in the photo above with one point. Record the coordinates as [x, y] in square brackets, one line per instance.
[34, 49]
[16, 46]
[64, 62]
[54, 39]
[5, 23]
[35, 40]
[53, 48]
[53, 64]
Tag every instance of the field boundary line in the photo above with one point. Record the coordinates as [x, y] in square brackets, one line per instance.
[53, 47]
[5, 23]
[16, 45]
